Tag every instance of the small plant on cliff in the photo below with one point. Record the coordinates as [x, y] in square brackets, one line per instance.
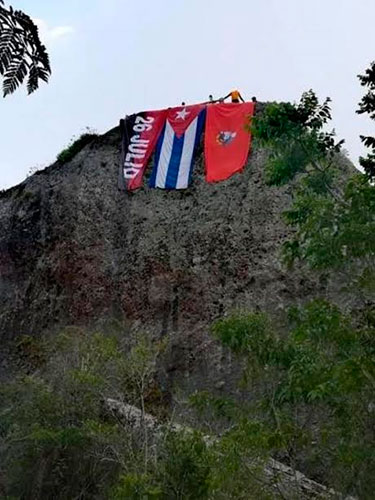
[76, 145]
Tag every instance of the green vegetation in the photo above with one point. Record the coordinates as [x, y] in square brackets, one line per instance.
[333, 217]
[310, 391]
[76, 145]
[367, 106]
[182, 471]
[59, 439]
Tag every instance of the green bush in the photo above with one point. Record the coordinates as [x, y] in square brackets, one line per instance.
[136, 487]
[76, 146]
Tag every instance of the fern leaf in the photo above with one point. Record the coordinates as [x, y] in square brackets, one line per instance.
[21, 51]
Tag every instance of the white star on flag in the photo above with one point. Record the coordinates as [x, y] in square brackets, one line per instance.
[182, 114]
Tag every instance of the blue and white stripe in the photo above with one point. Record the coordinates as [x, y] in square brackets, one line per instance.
[174, 155]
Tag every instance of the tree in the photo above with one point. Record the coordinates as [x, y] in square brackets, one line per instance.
[310, 393]
[295, 139]
[21, 52]
[308, 387]
[367, 105]
[333, 215]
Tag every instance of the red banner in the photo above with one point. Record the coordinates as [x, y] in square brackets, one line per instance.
[227, 141]
[140, 134]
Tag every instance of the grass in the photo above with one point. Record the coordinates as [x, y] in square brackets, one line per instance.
[75, 146]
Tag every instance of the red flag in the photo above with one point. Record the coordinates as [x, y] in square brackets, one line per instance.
[227, 141]
[140, 134]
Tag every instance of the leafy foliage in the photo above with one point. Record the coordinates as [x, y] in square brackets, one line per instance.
[333, 221]
[295, 138]
[317, 383]
[182, 472]
[21, 52]
[135, 486]
[76, 145]
[367, 105]
[56, 439]
[185, 466]
[334, 234]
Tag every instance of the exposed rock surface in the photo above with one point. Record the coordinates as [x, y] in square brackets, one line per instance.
[76, 250]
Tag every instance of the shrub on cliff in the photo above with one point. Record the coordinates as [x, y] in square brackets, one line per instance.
[76, 145]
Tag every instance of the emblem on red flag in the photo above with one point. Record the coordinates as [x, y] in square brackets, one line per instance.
[225, 138]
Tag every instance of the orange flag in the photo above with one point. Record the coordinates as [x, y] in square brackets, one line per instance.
[227, 142]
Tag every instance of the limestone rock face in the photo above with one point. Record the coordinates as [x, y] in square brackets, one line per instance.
[76, 250]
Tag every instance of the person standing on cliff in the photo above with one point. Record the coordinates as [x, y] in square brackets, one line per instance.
[211, 100]
[235, 96]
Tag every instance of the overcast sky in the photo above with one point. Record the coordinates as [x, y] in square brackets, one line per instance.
[115, 57]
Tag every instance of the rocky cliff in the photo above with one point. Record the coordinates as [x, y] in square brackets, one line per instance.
[76, 250]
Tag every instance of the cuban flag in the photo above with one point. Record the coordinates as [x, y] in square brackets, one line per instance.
[176, 147]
